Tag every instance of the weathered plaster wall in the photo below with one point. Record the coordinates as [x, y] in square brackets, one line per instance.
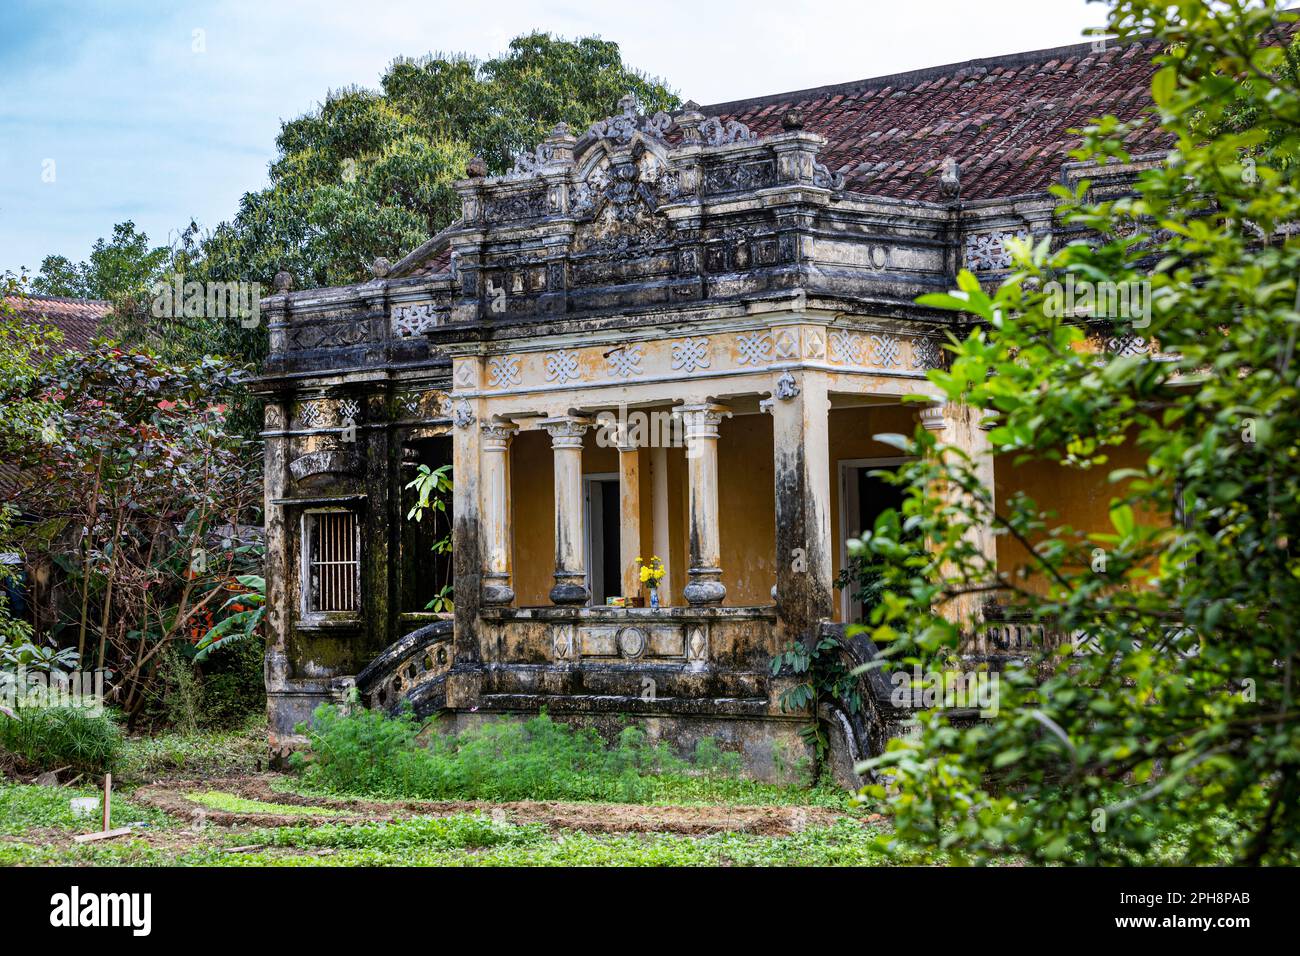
[746, 513]
[1078, 498]
[532, 506]
[850, 437]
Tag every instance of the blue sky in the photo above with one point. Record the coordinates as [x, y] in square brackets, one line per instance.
[165, 111]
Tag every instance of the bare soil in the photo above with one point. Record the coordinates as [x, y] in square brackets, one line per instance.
[170, 797]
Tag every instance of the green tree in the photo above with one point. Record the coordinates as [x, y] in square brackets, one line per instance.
[124, 266]
[1177, 735]
[371, 173]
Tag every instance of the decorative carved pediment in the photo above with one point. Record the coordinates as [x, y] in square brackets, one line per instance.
[619, 200]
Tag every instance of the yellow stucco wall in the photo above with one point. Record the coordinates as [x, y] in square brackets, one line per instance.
[746, 507]
[532, 507]
[1080, 499]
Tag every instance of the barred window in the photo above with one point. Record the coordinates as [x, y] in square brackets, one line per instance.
[332, 571]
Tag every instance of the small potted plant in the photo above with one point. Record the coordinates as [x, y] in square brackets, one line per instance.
[652, 572]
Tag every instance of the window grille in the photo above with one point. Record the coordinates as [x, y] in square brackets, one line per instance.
[333, 571]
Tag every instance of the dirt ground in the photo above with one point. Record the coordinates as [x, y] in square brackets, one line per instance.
[170, 797]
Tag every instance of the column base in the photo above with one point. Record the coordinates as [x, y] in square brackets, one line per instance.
[570, 589]
[704, 587]
[497, 591]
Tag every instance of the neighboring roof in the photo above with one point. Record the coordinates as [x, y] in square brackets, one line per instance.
[78, 319]
[1003, 119]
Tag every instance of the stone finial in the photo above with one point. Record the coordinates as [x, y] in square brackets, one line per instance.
[380, 268]
[476, 168]
[793, 119]
[689, 120]
[283, 281]
[950, 178]
[557, 148]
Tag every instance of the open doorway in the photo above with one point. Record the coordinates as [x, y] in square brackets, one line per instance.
[863, 496]
[601, 524]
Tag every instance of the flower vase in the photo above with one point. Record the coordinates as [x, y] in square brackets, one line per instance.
[654, 597]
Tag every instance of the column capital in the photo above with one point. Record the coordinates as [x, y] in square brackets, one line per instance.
[934, 417]
[702, 420]
[497, 435]
[567, 430]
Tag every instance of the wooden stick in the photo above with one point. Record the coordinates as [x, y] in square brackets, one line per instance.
[106, 835]
[108, 798]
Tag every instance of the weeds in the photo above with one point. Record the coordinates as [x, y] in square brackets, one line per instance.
[367, 753]
[62, 738]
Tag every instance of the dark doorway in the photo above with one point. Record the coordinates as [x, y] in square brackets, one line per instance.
[863, 497]
[425, 571]
[604, 575]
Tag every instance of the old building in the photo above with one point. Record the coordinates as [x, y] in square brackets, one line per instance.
[664, 335]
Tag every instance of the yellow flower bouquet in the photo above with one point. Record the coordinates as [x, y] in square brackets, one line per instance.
[651, 573]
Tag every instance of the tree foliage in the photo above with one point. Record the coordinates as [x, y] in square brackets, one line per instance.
[137, 487]
[1179, 712]
[371, 172]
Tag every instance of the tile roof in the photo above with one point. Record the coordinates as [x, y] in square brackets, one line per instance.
[78, 319]
[1005, 119]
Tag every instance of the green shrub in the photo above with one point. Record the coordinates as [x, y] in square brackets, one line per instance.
[220, 693]
[233, 684]
[55, 738]
[368, 753]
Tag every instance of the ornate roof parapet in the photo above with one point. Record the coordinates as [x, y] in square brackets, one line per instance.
[624, 125]
[554, 152]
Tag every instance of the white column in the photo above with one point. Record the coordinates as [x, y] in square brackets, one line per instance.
[800, 433]
[496, 532]
[704, 585]
[659, 521]
[570, 546]
[629, 513]
[958, 426]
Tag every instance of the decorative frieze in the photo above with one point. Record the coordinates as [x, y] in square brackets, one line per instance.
[846, 348]
[314, 413]
[349, 411]
[886, 352]
[626, 362]
[754, 348]
[328, 335]
[926, 353]
[987, 252]
[408, 320]
[503, 372]
[1127, 344]
[520, 205]
[562, 367]
[737, 177]
[690, 355]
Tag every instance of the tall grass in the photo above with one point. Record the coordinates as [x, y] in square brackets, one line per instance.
[59, 738]
[369, 753]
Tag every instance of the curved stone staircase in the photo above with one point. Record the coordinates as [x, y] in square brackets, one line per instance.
[413, 668]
